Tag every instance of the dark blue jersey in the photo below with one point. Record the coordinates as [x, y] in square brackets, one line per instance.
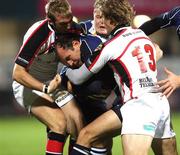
[167, 19]
[98, 87]
[88, 27]
[92, 95]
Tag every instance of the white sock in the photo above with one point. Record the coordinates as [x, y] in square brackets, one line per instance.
[98, 151]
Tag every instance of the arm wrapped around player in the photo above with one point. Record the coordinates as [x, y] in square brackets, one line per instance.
[167, 19]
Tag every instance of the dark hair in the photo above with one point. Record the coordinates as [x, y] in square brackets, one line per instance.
[65, 40]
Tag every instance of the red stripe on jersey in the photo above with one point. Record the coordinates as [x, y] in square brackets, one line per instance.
[54, 146]
[120, 81]
[31, 36]
[39, 48]
[95, 60]
[116, 36]
[129, 77]
[130, 44]
[125, 68]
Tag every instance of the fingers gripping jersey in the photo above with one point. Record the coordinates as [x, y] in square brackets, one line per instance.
[131, 55]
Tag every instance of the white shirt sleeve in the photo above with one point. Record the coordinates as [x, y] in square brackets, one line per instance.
[82, 74]
[78, 76]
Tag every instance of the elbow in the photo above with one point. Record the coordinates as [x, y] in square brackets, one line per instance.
[17, 72]
[15, 76]
[159, 52]
[76, 81]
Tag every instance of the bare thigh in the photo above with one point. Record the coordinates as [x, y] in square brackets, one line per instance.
[165, 146]
[136, 144]
[49, 114]
[74, 118]
[106, 125]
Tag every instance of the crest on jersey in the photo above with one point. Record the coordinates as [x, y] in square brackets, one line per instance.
[99, 48]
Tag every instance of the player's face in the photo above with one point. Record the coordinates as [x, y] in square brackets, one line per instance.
[63, 23]
[109, 26]
[98, 23]
[70, 57]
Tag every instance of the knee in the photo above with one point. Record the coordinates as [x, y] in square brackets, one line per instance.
[58, 124]
[86, 136]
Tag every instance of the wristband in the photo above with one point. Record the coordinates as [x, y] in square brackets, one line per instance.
[45, 88]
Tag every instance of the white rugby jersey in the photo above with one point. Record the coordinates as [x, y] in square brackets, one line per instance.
[37, 53]
[132, 56]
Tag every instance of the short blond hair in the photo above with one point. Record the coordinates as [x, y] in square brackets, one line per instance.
[61, 7]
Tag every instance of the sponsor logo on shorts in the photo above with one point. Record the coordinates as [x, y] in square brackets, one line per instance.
[149, 127]
[62, 96]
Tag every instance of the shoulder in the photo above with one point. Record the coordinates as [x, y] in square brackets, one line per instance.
[88, 26]
[91, 42]
[38, 27]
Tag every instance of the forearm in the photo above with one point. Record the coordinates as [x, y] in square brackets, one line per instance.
[164, 20]
[78, 76]
[152, 26]
[23, 77]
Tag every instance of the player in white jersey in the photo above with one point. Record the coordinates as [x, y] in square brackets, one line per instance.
[132, 57]
[95, 133]
[165, 20]
[36, 85]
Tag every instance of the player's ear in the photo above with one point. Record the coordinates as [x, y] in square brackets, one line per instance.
[75, 43]
[113, 23]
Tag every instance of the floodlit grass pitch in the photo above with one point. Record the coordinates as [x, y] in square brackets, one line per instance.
[26, 136]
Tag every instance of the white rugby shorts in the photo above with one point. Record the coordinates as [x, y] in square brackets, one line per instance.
[25, 96]
[147, 115]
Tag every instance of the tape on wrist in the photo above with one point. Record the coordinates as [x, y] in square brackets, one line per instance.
[45, 88]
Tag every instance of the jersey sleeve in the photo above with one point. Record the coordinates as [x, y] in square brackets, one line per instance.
[98, 60]
[33, 40]
[78, 76]
[167, 19]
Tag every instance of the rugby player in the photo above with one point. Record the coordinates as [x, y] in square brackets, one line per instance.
[165, 20]
[36, 83]
[136, 140]
[96, 27]
[96, 104]
[97, 95]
